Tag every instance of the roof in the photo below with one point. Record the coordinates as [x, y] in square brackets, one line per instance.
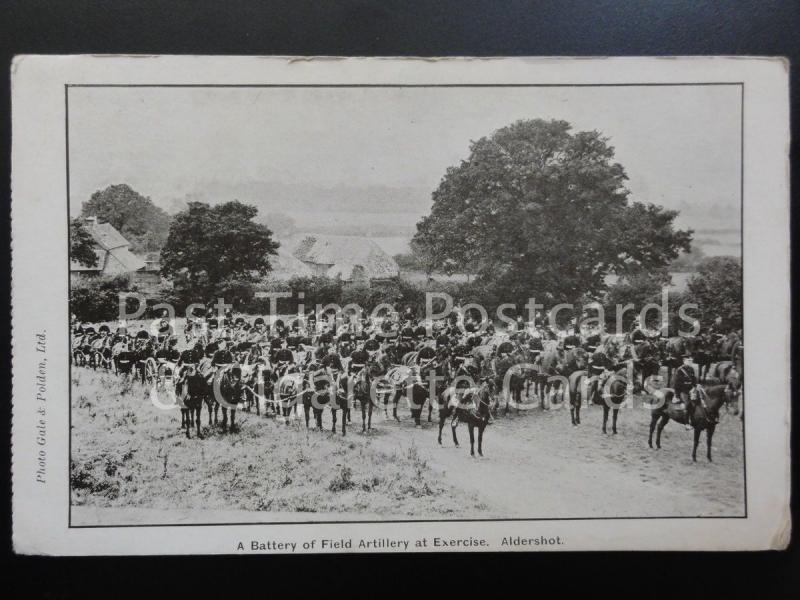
[343, 254]
[127, 259]
[286, 266]
[108, 237]
[109, 245]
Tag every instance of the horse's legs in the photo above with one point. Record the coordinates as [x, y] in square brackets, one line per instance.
[442, 417]
[697, 431]
[709, 435]
[233, 419]
[430, 410]
[306, 410]
[196, 412]
[369, 415]
[661, 424]
[605, 417]
[481, 427]
[333, 418]
[471, 428]
[318, 417]
[224, 418]
[578, 411]
[653, 420]
[453, 426]
[615, 412]
[363, 416]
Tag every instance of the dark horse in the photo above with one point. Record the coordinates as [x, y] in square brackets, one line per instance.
[574, 369]
[192, 391]
[473, 407]
[323, 393]
[704, 415]
[362, 393]
[610, 394]
[225, 389]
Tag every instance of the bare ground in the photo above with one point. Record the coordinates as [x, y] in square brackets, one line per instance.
[131, 464]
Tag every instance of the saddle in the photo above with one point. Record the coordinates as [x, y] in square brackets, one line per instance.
[463, 399]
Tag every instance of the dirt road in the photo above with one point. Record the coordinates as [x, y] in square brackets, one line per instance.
[537, 465]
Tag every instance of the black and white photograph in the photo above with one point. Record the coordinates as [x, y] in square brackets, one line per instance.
[411, 298]
[405, 303]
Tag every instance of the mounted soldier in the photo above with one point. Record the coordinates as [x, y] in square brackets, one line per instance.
[284, 360]
[573, 338]
[637, 334]
[599, 369]
[684, 383]
[358, 360]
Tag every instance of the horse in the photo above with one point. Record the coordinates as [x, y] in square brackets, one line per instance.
[703, 418]
[362, 393]
[550, 365]
[320, 393]
[573, 368]
[225, 390]
[727, 373]
[192, 391]
[258, 382]
[672, 351]
[341, 401]
[645, 357]
[473, 406]
[511, 367]
[290, 387]
[613, 397]
[405, 380]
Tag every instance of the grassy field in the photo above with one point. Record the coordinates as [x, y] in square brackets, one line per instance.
[128, 453]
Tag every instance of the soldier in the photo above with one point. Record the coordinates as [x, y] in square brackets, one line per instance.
[358, 360]
[372, 346]
[599, 368]
[573, 339]
[284, 359]
[332, 363]
[684, 382]
[407, 333]
[275, 344]
[637, 333]
[311, 321]
[223, 356]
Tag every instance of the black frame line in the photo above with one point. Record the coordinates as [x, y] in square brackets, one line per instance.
[67, 87]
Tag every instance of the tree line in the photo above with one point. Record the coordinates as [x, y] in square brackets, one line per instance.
[536, 210]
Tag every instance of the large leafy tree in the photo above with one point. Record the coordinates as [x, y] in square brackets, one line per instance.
[717, 290]
[81, 244]
[210, 246]
[141, 222]
[539, 210]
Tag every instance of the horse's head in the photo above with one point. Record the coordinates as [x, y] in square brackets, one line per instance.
[581, 358]
[233, 376]
[733, 389]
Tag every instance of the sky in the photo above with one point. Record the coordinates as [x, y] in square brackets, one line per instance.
[680, 146]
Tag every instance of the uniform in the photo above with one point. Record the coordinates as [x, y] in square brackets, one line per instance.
[333, 362]
[571, 341]
[683, 382]
[222, 357]
[358, 360]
